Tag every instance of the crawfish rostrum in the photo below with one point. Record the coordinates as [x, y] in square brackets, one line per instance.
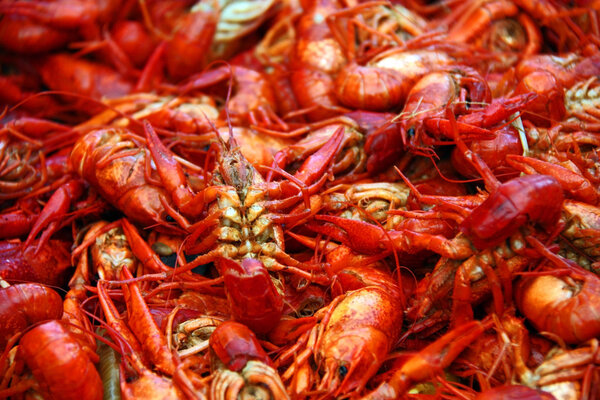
[299, 199]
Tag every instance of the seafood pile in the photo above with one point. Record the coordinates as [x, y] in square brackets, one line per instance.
[300, 199]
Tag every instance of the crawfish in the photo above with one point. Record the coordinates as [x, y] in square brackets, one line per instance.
[253, 99]
[192, 35]
[25, 161]
[239, 234]
[493, 152]
[581, 231]
[385, 81]
[236, 24]
[53, 354]
[316, 58]
[65, 73]
[500, 219]
[114, 163]
[47, 263]
[430, 361]
[489, 269]
[241, 366]
[555, 311]
[498, 26]
[25, 304]
[24, 35]
[349, 344]
[350, 158]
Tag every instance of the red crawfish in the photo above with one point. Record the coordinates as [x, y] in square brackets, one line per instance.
[60, 367]
[241, 234]
[430, 361]
[66, 73]
[42, 26]
[497, 356]
[497, 26]
[558, 372]
[188, 47]
[568, 69]
[252, 100]
[102, 252]
[47, 263]
[26, 36]
[422, 122]
[316, 57]
[240, 365]
[570, 373]
[28, 157]
[497, 220]
[520, 26]
[146, 344]
[114, 163]
[24, 304]
[562, 305]
[385, 81]
[549, 106]
[581, 232]
[493, 152]
[468, 281]
[66, 14]
[510, 205]
[352, 339]
[350, 157]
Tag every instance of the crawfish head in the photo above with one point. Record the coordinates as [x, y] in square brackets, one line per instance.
[235, 170]
[361, 331]
[353, 359]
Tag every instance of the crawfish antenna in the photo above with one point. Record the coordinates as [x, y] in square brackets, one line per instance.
[232, 142]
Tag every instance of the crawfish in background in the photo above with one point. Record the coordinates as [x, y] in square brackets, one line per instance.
[32, 155]
[252, 100]
[41, 26]
[66, 73]
[316, 58]
[196, 34]
[237, 23]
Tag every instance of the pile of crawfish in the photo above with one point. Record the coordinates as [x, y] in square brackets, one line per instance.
[300, 199]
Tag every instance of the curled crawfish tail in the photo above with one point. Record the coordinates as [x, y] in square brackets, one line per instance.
[53, 355]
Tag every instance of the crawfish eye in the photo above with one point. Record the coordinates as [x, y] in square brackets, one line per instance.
[343, 370]
[168, 218]
[410, 132]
